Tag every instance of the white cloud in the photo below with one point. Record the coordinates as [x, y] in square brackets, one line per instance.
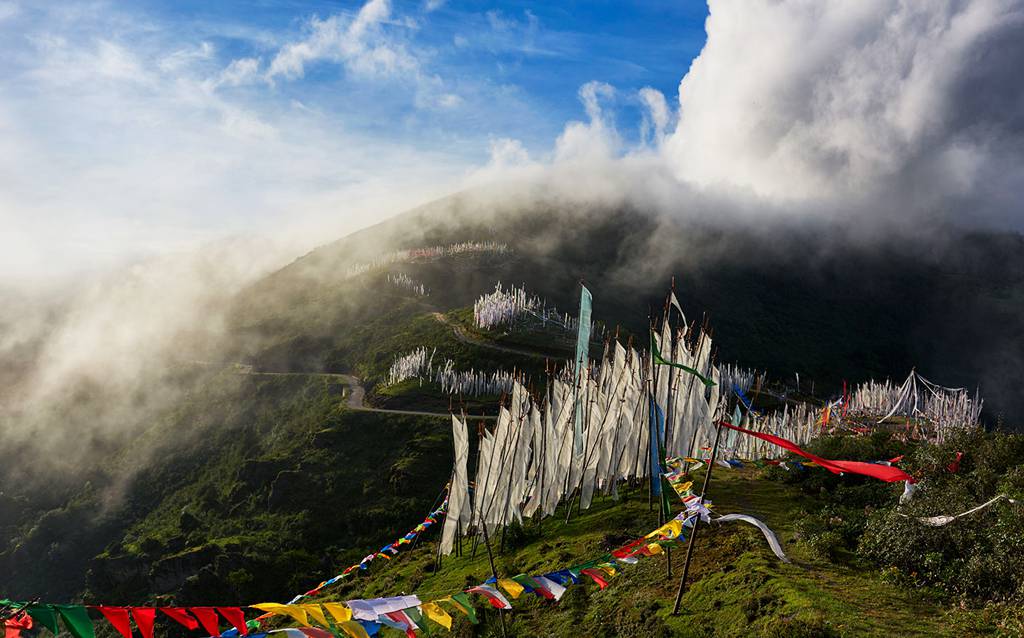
[913, 101]
[117, 147]
[656, 117]
[594, 139]
[433, 5]
[358, 43]
[240, 71]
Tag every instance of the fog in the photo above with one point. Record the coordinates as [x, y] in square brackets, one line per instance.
[883, 117]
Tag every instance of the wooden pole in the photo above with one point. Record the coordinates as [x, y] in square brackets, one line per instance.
[696, 522]
[494, 573]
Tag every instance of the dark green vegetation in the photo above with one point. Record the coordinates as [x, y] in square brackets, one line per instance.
[238, 487]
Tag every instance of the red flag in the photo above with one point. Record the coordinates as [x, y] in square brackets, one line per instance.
[885, 473]
[118, 617]
[597, 575]
[236, 617]
[208, 619]
[14, 626]
[182, 616]
[403, 621]
[629, 549]
[144, 618]
[954, 467]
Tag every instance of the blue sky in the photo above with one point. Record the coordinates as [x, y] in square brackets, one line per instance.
[516, 66]
[128, 128]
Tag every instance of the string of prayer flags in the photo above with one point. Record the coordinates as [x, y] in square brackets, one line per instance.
[386, 551]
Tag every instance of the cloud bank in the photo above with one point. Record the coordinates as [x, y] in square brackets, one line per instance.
[911, 107]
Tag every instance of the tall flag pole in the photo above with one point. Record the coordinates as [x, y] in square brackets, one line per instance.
[582, 357]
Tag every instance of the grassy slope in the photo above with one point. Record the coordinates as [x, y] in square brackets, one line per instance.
[740, 589]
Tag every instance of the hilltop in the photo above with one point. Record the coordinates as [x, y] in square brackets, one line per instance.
[266, 472]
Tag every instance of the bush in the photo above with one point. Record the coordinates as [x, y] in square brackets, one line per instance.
[976, 557]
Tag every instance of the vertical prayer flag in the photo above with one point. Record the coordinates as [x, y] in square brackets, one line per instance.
[582, 359]
[659, 360]
[657, 427]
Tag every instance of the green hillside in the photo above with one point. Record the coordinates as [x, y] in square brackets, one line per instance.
[265, 475]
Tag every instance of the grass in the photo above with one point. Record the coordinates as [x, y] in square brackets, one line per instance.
[737, 587]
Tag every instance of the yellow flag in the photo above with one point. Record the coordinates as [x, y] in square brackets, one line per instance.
[434, 612]
[353, 629]
[339, 612]
[654, 548]
[671, 529]
[295, 611]
[513, 588]
[316, 613]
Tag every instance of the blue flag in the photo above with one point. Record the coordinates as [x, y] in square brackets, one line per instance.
[657, 421]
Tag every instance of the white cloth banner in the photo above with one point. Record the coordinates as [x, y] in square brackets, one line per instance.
[939, 521]
[769, 535]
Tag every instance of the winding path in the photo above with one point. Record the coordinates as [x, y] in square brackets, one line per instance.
[460, 333]
[357, 393]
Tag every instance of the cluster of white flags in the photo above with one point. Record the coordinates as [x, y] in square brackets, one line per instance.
[428, 252]
[473, 383]
[406, 282]
[415, 365]
[528, 464]
[504, 306]
[419, 364]
[945, 410]
[744, 378]
[511, 306]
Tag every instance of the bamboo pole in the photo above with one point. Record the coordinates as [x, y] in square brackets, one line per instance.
[696, 522]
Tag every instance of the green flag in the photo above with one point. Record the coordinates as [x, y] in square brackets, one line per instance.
[76, 619]
[659, 360]
[466, 605]
[45, 616]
